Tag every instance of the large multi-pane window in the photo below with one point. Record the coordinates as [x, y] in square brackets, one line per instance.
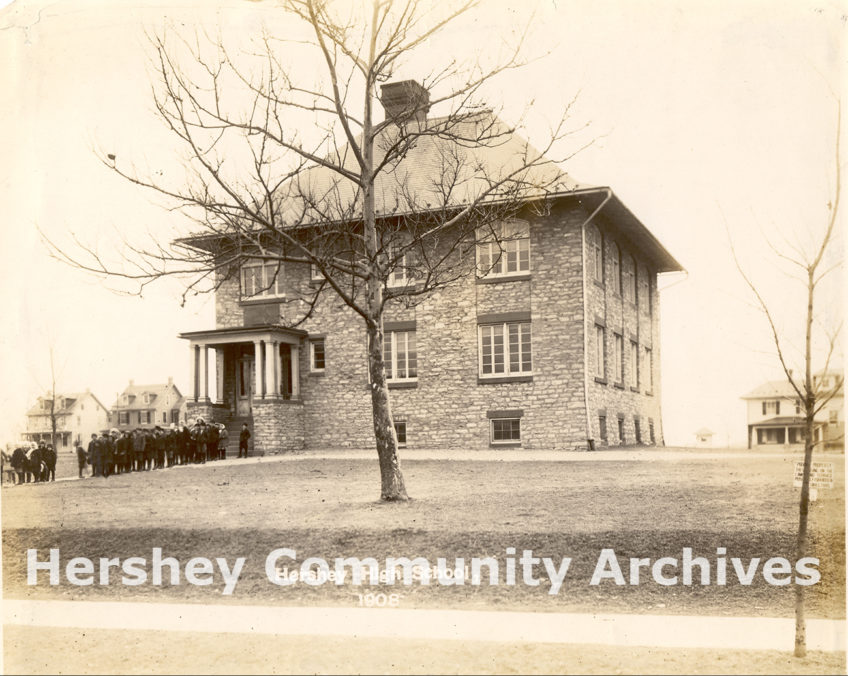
[649, 369]
[634, 365]
[629, 278]
[503, 249]
[505, 349]
[262, 280]
[618, 355]
[400, 355]
[616, 268]
[600, 353]
[596, 253]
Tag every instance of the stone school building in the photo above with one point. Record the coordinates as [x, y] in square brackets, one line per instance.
[555, 346]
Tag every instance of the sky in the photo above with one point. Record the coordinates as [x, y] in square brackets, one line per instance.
[712, 121]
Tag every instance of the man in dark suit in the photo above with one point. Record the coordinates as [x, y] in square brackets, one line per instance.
[244, 435]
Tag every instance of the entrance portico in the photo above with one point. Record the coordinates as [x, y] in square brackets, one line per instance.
[264, 363]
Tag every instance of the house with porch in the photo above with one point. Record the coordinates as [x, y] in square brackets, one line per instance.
[552, 344]
[776, 413]
[78, 415]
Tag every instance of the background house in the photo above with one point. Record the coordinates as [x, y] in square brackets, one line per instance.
[78, 416]
[146, 406]
[776, 414]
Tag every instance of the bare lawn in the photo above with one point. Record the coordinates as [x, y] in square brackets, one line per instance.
[326, 508]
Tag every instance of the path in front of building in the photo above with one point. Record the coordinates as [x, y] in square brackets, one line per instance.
[662, 631]
[67, 469]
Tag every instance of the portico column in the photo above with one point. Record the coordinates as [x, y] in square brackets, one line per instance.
[272, 374]
[257, 369]
[295, 371]
[220, 356]
[193, 370]
[204, 372]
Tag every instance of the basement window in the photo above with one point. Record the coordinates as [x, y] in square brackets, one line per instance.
[506, 430]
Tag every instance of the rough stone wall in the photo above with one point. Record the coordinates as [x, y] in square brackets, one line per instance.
[277, 426]
[448, 406]
[635, 322]
[208, 411]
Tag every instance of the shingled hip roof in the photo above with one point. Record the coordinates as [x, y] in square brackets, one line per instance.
[444, 166]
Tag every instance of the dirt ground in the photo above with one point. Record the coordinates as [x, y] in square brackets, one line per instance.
[151, 652]
[326, 508]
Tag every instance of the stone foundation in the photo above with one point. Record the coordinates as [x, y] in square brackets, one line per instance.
[277, 426]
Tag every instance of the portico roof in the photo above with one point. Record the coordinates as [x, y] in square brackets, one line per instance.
[245, 334]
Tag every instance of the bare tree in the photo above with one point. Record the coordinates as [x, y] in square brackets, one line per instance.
[280, 169]
[815, 394]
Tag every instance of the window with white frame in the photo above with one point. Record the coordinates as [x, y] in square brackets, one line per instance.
[616, 268]
[649, 368]
[833, 416]
[629, 278]
[771, 407]
[315, 273]
[505, 349]
[644, 290]
[600, 352]
[634, 365]
[123, 417]
[503, 249]
[506, 430]
[262, 280]
[400, 273]
[618, 356]
[400, 355]
[316, 355]
[596, 253]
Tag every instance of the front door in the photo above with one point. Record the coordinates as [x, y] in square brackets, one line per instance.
[244, 385]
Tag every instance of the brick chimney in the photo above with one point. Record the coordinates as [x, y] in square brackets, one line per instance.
[404, 101]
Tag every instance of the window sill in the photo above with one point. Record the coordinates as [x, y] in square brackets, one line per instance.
[484, 380]
[505, 444]
[402, 385]
[600, 285]
[261, 301]
[317, 374]
[634, 389]
[494, 279]
[649, 394]
[618, 386]
[600, 381]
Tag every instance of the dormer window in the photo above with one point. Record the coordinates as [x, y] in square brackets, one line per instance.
[262, 280]
[125, 400]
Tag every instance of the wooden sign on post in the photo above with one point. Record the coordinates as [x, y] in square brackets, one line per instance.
[821, 476]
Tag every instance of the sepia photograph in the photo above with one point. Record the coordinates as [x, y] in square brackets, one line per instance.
[422, 336]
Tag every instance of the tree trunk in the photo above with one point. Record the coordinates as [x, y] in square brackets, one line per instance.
[391, 478]
[801, 544]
